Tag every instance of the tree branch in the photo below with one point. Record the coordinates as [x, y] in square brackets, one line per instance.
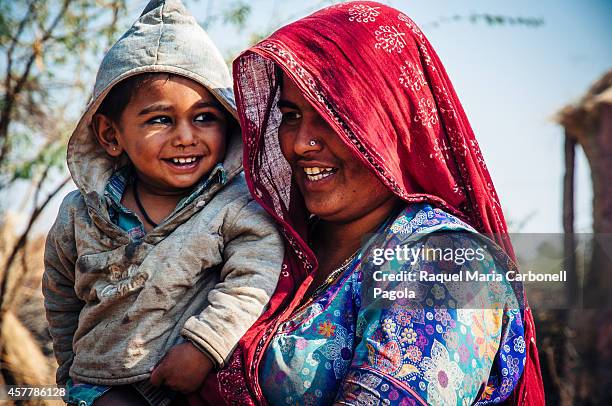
[42, 179]
[7, 109]
[14, 42]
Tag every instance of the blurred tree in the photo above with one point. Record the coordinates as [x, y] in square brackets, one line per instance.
[235, 14]
[45, 46]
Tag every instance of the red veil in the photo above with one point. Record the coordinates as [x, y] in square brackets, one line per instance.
[371, 73]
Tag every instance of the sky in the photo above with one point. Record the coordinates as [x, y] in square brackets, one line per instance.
[511, 81]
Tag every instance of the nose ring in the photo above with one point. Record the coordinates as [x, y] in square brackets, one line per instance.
[313, 143]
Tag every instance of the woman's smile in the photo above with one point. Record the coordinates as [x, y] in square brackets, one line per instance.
[316, 177]
[316, 174]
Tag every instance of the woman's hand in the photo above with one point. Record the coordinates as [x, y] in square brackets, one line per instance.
[182, 369]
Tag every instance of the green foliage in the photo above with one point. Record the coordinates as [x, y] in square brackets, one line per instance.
[47, 47]
[491, 20]
[257, 37]
[4, 28]
[237, 14]
[51, 156]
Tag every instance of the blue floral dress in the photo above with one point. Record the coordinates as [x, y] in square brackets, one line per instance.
[452, 343]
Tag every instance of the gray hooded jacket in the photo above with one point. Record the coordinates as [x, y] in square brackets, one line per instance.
[116, 305]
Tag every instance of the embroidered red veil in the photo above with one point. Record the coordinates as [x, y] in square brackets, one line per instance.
[371, 73]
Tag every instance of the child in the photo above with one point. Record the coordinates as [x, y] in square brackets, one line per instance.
[161, 260]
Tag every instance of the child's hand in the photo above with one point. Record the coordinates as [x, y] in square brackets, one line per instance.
[182, 369]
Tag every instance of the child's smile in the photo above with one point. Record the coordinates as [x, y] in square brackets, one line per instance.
[183, 163]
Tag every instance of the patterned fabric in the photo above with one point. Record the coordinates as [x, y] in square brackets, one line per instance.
[351, 348]
[123, 217]
[388, 98]
[126, 219]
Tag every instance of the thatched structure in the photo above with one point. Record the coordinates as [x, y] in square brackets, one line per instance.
[588, 123]
[581, 119]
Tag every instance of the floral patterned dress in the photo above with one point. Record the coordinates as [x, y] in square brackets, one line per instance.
[454, 343]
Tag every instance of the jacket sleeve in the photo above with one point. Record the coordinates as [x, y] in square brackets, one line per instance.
[253, 256]
[61, 302]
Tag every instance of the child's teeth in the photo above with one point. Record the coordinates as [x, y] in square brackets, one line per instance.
[184, 160]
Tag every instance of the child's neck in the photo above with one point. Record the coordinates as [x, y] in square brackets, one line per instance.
[157, 203]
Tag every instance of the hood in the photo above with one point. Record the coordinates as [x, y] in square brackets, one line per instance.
[165, 39]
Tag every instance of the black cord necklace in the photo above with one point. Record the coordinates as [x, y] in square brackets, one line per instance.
[140, 206]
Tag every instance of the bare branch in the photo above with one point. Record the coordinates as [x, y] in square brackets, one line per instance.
[7, 109]
[40, 183]
[14, 42]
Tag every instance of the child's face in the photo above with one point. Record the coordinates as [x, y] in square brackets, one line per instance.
[173, 130]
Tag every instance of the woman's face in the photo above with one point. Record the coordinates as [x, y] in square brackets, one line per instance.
[336, 186]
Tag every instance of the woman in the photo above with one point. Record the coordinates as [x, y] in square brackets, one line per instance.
[356, 143]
